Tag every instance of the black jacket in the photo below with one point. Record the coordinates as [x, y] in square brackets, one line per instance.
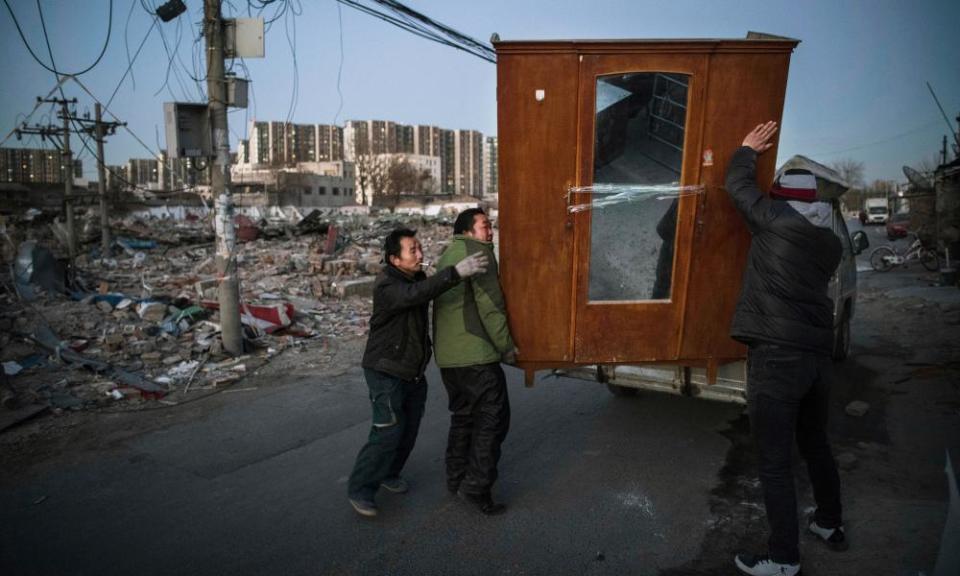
[784, 297]
[399, 342]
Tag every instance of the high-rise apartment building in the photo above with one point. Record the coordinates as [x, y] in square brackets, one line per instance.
[286, 144]
[143, 173]
[468, 165]
[25, 165]
[448, 161]
[329, 143]
[426, 140]
[490, 159]
[404, 139]
[379, 137]
[461, 152]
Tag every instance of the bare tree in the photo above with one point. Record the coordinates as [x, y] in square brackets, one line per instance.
[428, 184]
[372, 176]
[882, 188]
[850, 170]
[402, 177]
[927, 166]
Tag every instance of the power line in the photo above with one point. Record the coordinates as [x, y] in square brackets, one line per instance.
[40, 102]
[171, 66]
[295, 92]
[126, 40]
[878, 142]
[53, 69]
[66, 116]
[421, 25]
[336, 117]
[130, 65]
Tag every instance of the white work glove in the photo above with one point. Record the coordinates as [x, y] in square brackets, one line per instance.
[472, 265]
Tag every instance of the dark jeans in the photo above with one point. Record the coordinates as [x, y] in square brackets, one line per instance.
[788, 393]
[479, 420]
[398, 407]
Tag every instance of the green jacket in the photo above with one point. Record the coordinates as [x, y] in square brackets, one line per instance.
[470, 320]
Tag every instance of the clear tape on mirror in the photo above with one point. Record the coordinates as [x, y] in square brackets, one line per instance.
[614, 194]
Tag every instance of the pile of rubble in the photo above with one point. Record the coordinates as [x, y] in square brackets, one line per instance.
[143, 323]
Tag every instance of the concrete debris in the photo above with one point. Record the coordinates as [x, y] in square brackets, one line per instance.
[11, 368]
[152, 311]
[143, 322]
[362, 287]
[857, 408]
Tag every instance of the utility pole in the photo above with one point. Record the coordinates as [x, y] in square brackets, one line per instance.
[230, 328]
[67, 156]
[100, 129]
[61, 139]
[102, 185]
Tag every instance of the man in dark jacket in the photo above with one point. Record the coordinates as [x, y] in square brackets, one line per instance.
[395, 358]
[785, 317]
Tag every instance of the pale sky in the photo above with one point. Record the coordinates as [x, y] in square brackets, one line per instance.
[857, 85]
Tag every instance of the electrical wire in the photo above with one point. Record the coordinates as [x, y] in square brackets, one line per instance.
[295, 91]
[421, 25]
[336, 117]
[36, 106]
[53, 67]
[253, 94]
[126, 41]
[153, 154]
[68, 115]
[171, 66]
[130, 65]
[878, 142]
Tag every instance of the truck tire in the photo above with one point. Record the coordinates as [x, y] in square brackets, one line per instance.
[841, 337]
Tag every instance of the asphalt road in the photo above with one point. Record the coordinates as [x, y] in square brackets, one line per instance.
[253, 482]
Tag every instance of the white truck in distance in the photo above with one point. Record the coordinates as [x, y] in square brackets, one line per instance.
[877, 210]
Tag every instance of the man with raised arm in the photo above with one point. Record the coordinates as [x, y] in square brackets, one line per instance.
[785, 317]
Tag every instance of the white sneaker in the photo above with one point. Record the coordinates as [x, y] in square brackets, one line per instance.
[764, 566]
[834, 538]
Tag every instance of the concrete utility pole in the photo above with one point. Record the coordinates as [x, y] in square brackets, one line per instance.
[68, 181]
[66, 159]
[98, 130]
[101, 128]
[230, 328]
[102, 185]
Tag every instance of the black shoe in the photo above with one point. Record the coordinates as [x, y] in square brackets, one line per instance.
[484, 503]
[453, 484]
[397, 485]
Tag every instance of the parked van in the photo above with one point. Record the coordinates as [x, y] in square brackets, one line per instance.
[877, 210]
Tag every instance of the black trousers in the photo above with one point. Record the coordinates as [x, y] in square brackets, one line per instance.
[788, 392]
[479, 420]
[398, 407]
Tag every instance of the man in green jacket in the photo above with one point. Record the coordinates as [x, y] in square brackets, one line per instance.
[471, 337]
